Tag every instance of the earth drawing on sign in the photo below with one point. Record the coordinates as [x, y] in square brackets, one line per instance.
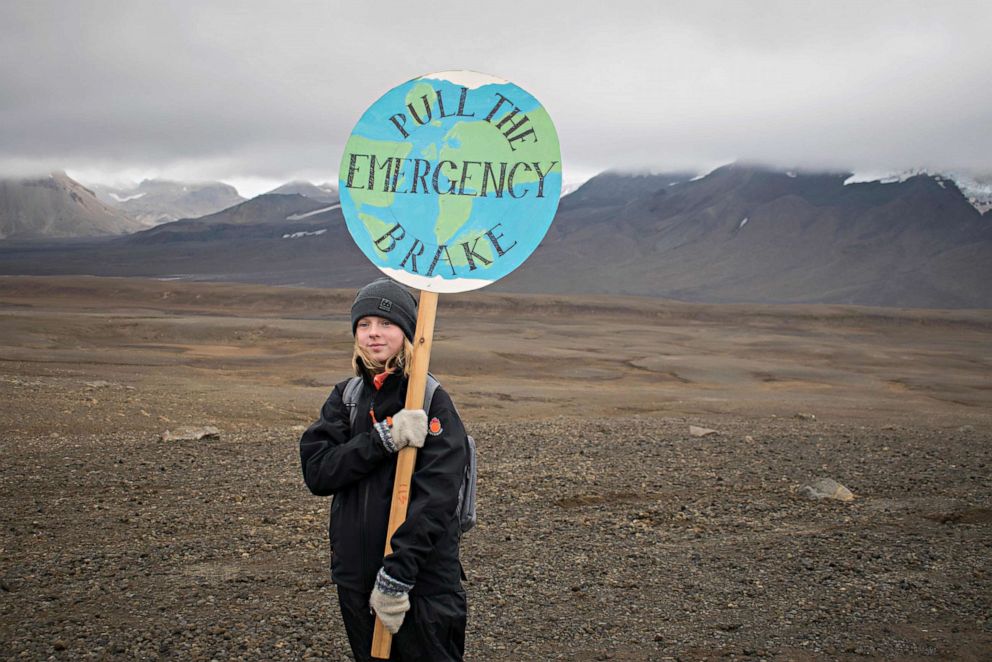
[451, 180]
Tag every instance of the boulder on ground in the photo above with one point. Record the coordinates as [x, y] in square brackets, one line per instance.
[826, 488]
[188, 433]
[697, 431]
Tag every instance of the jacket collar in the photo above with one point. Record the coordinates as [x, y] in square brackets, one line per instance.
[392, 381]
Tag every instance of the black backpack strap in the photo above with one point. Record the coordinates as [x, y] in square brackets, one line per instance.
[429, 389]
[352, 391]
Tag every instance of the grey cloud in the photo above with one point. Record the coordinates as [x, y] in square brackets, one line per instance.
[269, 90]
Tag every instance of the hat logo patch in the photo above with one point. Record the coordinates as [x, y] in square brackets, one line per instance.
[385, 305]
[434, 427]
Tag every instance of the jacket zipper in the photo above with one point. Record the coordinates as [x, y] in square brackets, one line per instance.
[365, 554]
[365, 506]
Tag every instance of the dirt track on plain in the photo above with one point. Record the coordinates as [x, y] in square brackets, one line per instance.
[607, 530]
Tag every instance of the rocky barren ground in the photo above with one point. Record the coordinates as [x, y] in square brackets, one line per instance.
[607, 531]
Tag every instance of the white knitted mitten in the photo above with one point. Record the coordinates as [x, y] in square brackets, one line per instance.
[390, 600]
[409, 427]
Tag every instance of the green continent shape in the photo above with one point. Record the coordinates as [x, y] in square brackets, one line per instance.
[376, 227]
[481, 141]
[382, 150]
[453, 212]
[414, 98]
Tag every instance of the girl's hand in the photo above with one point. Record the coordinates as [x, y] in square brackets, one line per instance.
[409, 428]
[390, 601]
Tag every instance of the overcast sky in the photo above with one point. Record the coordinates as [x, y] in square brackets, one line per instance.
[258, 93]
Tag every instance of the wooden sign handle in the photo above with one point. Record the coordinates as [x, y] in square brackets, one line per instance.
[382, 641]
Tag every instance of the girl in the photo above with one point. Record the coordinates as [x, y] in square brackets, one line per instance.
[415, 590]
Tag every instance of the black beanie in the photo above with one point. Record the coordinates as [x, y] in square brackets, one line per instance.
[387, 299]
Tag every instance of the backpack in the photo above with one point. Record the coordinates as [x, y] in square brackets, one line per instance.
[466, 493]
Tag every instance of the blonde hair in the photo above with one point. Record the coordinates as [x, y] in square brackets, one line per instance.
[366, 365]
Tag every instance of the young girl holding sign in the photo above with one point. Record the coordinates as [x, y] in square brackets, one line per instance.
[415, 590]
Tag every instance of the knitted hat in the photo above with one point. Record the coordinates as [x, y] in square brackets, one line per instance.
[387, 299]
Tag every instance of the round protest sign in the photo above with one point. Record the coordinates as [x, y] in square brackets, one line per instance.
[450, 181]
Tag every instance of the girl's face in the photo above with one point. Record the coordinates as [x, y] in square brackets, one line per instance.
[379, 337]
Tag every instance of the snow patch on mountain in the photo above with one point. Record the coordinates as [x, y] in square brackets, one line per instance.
[297, 217]
[125, 198]
[881, 177]
[977, 189]
[297, 235]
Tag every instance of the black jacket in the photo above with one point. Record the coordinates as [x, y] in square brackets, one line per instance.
[356, 468]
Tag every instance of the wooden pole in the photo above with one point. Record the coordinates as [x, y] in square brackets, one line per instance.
[382, 640]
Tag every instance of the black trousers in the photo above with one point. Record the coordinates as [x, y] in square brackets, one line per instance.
[432, 631]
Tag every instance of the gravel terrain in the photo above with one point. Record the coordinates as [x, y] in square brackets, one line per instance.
[621, 539]
[608, 530]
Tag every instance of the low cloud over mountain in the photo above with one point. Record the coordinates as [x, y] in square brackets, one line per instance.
[156, 201]
[322, 192]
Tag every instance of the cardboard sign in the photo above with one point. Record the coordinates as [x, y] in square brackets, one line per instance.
[450, 181]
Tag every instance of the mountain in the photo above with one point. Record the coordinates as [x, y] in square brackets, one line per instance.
[977, 188]
[266, 215]
[606, 191]
[613, 188]
[284, 239]
[746, 233]
[322, 192]
[156, 201]
[56, 206]
[742, 233]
